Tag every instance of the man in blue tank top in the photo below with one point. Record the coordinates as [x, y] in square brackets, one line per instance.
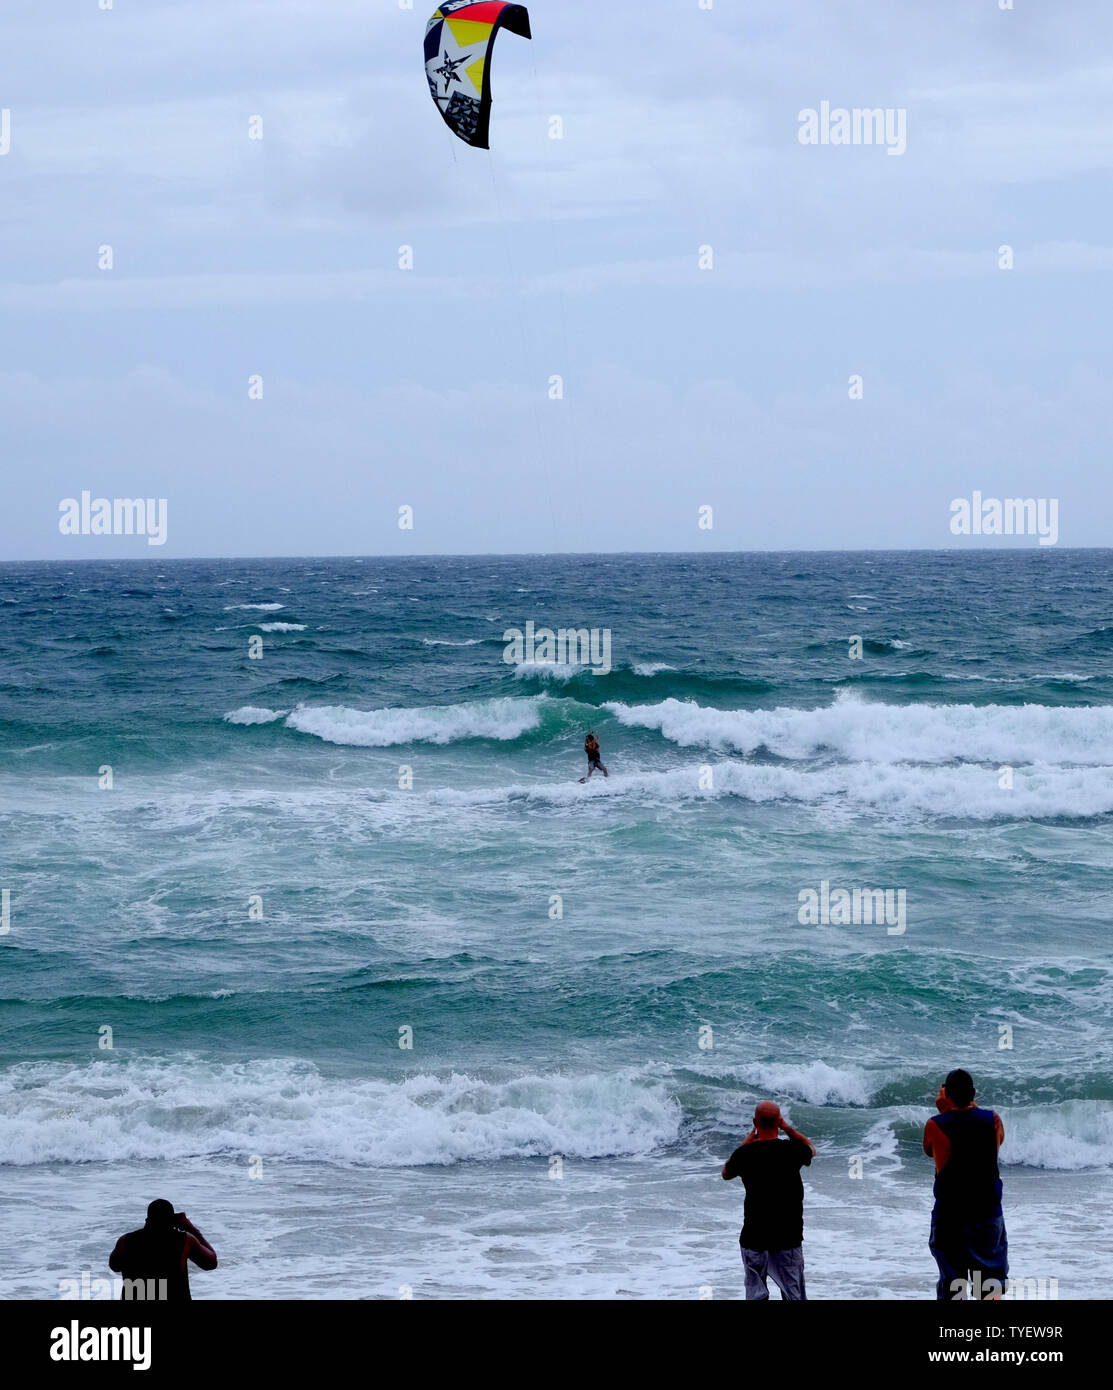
[968, 1236]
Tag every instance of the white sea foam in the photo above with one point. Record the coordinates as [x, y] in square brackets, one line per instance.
[880, 733]
[503, 718]
[650, 668]
[444, 642]
[814, 1082]
[964, 792]
[255, 607]
[280, 1108]
[1067, 1137]
[881, 1149]
[254, 714]
[549, 670]
[281, 627]
[1014, 680]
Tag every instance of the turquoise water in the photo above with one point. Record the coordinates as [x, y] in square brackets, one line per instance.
[402, 806]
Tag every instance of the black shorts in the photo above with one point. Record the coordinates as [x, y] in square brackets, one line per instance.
[594, 762]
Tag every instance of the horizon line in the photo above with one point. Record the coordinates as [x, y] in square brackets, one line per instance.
[145, 557]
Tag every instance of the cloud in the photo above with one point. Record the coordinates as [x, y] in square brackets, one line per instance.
[575, 257]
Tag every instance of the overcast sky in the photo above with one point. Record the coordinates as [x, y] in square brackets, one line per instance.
[578, 258]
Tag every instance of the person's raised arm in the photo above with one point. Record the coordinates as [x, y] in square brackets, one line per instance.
[786, 1128]
[198, 1248]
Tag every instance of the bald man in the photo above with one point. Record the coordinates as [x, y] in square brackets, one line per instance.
[772, 1236]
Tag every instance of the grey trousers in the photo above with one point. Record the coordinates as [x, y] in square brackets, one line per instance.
[784, 1267]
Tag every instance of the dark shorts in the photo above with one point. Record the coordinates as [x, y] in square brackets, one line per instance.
[594, 762]
[977, 1250]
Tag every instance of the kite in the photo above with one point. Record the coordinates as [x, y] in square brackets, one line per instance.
[458, 43]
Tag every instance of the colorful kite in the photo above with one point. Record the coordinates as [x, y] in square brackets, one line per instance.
[458, 43]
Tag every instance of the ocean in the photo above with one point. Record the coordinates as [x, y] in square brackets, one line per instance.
[320, 936]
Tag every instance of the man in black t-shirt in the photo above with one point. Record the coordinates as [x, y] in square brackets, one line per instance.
[773, 1220]
[154, 1259]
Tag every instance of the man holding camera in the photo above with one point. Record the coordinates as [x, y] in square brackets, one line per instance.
[773, 1221]
[161, 1251]
[968, 1237]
